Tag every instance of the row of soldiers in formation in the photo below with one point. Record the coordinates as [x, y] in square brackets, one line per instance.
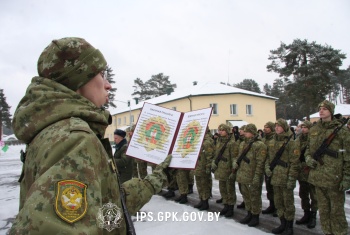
[280, 160]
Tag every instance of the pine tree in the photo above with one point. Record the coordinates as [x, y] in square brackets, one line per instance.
[111, 94]
[5, 116]
[249, 85]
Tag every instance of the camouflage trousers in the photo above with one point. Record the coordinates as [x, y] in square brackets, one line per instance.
[183, 180]
[332, 215]
[252, 198]
[228, 191]
[284, 202]
[203, 183]
[269, 189]
[191, 177]
[306, 192]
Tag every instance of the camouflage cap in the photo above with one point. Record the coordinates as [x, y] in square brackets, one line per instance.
[242, 128]
[251, 128]
[283, 123]
[270, 125]
[225, 128]
[328, 105]
[306, 124]
[70, 61]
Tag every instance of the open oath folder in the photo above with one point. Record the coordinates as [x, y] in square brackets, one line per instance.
[160, 131]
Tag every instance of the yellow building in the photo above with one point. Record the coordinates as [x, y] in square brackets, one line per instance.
[231, 105]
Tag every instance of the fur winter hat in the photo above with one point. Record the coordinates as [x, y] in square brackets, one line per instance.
[71, 61]
[119, 132]
[306, 124]
[225, 128]
[270, 125]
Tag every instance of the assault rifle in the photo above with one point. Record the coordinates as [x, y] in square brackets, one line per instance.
[325, 144]
[302, 154]
[244, 153]
[277, 161]
[222, 150]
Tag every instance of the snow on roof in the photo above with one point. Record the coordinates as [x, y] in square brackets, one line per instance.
[209, 88]
[343, 109]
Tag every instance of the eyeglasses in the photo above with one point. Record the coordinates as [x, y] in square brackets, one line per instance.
[104, 74]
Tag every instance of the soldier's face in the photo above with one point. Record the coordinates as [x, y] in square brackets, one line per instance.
[267, 130]
[248, 135]
[96, 90]
[279, 129]
[222, 132]
[324, 113]
[304, 130]
[117, 139]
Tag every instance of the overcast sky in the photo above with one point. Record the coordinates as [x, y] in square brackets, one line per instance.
[187, 40]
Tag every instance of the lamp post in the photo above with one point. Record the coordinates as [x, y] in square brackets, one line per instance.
[128, 103]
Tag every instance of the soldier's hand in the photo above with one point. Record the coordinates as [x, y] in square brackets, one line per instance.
[268, 172]
[291, 183]
[235, 165]
[213, 166]
[165, 163]
[344, 185]
[312, 163]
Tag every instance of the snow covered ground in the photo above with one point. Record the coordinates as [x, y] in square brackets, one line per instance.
[159, 216]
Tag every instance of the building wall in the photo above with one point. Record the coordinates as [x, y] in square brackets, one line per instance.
[263, 110]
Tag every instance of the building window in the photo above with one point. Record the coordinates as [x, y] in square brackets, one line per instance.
[249, 109]
[233, 109]
[119, 121]
[215, 108]
[132, 119]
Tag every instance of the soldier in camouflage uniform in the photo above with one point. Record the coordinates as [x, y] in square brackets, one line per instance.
[332, 178]
[223, 168]
[124, 163]
[239, 141]
[203, 171]
[182, 180]
[306, 190]
[283, 175]
[250, 173]
[269, 132]
[69, 176]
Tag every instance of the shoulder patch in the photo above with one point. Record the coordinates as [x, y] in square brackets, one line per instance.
[297, 152]
[70, 201]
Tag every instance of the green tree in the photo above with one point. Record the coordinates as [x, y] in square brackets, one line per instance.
[111, 94]
[307, 70]
[5, 116]
[249, 85]
[156, 86]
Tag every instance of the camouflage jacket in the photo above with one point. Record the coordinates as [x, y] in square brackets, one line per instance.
[67, 171]
[268, 137]
[225, 165]
[281, 174]
[334, 170]
[304, 173]
[206, 156]
[124, 163]
[255, 168]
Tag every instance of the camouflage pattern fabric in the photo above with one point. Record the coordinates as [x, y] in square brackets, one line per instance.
[62, 129]
[228, 191]
[250, 174]
[269, 188]
[283, 176]
[183, 180]
[327, 178]
[202, 171]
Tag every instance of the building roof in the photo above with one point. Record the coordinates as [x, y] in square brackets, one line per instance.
[343, 109]
[209, 88]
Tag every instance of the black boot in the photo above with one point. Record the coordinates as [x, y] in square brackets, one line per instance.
[246, 219]
[199, 204]
[280, 228]
[205, 205]
[271, 209]
[254, 221]
[190, 188]
[169, 194]
[219, 200]
[229, 212]
[289, 228]
[241, 206]
[312, 221]
[182, 199]
[305, 219]
[224, 210]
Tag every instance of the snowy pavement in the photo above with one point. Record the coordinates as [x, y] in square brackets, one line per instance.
[159, 215]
